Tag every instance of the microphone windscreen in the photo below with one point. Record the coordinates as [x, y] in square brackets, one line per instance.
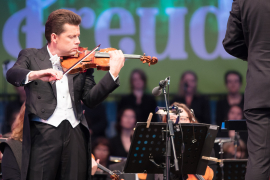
[156, 91]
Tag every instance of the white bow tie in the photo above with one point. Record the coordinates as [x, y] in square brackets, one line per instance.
[55, 60]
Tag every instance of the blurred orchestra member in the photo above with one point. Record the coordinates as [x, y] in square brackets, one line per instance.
[12, 149]
[126, 121]
[101, 151]
[188, 95]
[139, 99]
[233, 82]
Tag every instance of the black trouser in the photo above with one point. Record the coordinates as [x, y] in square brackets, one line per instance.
[58, 153]
[258, 124]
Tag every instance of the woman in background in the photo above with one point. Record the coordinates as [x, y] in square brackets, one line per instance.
[126, 121]
[143, 103]
[188, 95]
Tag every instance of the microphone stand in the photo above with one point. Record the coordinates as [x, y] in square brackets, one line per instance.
[169, 142]
[236, 142]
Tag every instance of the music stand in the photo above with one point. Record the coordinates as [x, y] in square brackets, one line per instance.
[147, 150]
[233, 169]
[237, 125]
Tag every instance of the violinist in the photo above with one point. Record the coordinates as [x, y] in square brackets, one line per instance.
[56, 143]
[188, 116]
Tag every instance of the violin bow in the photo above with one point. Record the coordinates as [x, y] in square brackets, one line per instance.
[67, 71]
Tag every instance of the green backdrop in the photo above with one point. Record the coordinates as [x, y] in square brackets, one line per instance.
[183, 34]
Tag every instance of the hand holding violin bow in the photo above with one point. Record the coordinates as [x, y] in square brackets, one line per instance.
[47, 75]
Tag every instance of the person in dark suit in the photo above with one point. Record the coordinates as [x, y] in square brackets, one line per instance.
[56, 141]
[248, 38]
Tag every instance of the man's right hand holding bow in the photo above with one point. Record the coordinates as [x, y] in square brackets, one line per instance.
[46, 75]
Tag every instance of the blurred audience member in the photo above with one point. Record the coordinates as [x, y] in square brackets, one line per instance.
[189, 96]
[233, 81]
[236, 113]
[138, 99]
[12, 149]
[12, 110]
[126, 121]
[229, 150]
[97, 120]
[101, 151]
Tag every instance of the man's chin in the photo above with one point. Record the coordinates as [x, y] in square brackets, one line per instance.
[72, 53]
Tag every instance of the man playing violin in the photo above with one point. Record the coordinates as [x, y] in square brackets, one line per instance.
[56, 143]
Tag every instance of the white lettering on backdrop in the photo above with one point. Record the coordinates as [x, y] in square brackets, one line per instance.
[175, 45]
[176, 36]
[197, 28]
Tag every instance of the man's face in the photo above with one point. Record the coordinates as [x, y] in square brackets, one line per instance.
[233, 83]
[67, 42]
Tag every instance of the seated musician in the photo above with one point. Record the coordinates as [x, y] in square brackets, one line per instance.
[187, 116]
[12, 150]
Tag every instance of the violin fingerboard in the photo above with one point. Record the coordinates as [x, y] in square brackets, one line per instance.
[106, 55]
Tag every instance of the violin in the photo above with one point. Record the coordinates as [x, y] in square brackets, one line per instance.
[209, 175]
[112, 174]
[85, 59]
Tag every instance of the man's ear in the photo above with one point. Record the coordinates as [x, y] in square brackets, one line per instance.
[54, 38]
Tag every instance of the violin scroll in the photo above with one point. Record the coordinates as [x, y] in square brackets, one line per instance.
[149, 60]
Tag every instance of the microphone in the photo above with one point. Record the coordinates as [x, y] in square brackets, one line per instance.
[163, 83]
[172, 109]
[157, 90]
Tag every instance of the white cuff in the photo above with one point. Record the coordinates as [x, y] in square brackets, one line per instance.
[26, 79]
[113, 77]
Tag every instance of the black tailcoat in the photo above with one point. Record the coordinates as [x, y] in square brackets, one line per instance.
[41, 96]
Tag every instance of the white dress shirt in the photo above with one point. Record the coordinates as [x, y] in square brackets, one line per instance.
[63, 110]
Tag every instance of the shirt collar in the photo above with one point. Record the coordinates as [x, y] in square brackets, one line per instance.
[50, 54]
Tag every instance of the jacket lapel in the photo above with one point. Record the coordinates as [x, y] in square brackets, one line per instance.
[43, 61]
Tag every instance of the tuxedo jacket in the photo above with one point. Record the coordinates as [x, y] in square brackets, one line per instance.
[41, 96]
[248, 38]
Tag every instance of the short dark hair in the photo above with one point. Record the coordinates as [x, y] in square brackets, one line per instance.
[142, 75]
[56, 21]
[233, 72]
[119, 117]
